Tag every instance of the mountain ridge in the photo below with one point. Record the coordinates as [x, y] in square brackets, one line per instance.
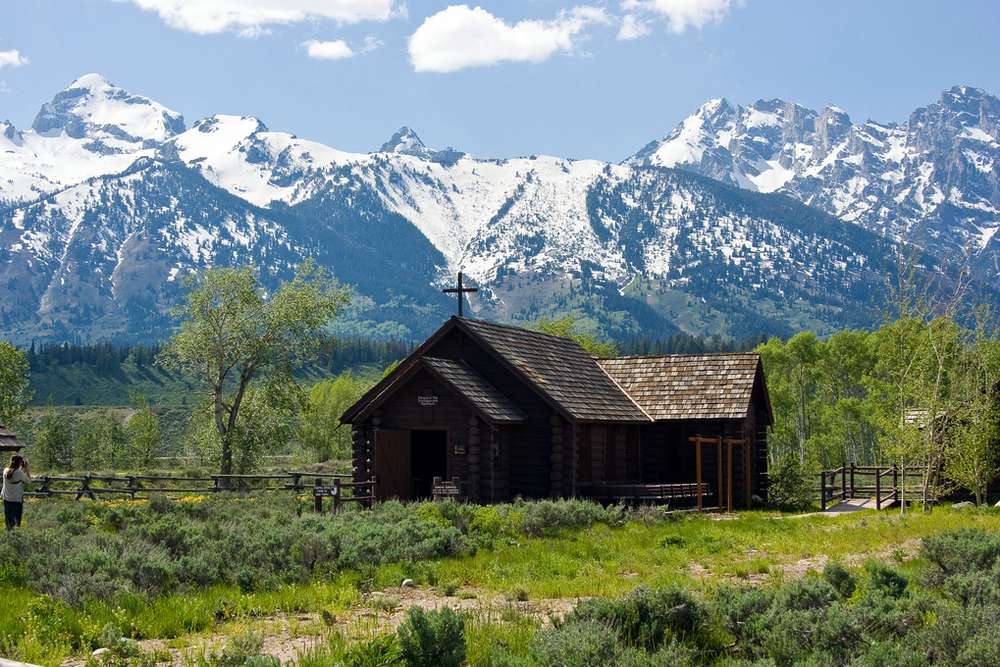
[95, 247]
[932, 180]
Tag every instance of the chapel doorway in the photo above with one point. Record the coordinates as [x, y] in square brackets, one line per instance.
[428, 459]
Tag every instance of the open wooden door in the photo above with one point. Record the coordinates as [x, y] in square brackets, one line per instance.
[392, 465]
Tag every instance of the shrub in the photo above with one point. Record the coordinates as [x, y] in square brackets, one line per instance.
[959, 551]
[380, 651]
[788, 485]
[517, 595]
[982, 649]
[645, 618]
[432, 638]
[884, 579]
[545, 517]
[808, 593]
[891, 654]
[743, 612]
[385, 603]
[671, 540]
[243, 650]
[673, 654]
[576, 644]
[841, 580]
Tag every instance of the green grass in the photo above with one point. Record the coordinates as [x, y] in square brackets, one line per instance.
[611, 561]
[691, 551]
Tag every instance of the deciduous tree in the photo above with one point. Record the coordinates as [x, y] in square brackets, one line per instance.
[14, 389]
[233, 332]
[568, 327]
[144, 436]
[320, 429]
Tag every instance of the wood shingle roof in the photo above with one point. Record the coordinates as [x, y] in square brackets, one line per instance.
[8, 440]
[704, 386]
[562, 370]
[483, 396]
[621, 390]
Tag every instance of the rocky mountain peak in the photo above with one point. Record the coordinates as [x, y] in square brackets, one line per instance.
[94, 108]
[9, 132]
[405, 141]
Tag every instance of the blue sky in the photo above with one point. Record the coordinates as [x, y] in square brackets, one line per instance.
[563, 79]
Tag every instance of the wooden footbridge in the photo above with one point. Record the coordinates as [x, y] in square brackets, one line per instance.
[877, 487]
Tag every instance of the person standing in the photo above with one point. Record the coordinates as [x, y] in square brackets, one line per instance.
[15, 476]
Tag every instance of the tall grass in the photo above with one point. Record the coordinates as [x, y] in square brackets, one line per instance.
[79, 568]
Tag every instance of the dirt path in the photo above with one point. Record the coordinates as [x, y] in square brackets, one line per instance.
[286, 636]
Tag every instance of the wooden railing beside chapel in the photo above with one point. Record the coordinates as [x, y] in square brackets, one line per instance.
[341, 489]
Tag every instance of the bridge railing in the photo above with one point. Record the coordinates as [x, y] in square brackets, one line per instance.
[882, 483]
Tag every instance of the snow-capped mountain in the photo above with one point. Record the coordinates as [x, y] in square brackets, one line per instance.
[90, 129]
[933, 180]
[108, 200]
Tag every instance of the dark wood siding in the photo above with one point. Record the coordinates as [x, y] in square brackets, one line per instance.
[608, 454]
[527, 448]
[404, 411]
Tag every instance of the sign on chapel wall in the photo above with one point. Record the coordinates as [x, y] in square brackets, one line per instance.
[427, 400]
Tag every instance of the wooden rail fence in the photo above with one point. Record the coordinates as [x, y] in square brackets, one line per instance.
[340, 490]
[883, 484]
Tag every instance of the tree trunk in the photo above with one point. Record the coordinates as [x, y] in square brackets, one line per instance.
[224, 433]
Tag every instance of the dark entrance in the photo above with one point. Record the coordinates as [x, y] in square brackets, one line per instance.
[428, 459]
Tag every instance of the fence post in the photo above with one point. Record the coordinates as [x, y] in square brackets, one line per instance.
[843, 482]
[852, 480]
[85, 489]
[878, 488]
[337, 490]
[317, 499]
[131, 487]
[822, 490]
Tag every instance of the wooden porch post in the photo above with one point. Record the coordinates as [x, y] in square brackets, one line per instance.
[718, 467]
[729, 481]
[697, 468]
[748, 453]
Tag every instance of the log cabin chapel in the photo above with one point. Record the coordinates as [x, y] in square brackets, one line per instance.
[491, 412]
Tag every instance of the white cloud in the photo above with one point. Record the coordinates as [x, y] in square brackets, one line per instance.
[370, 44]
[3, 87]
[335, 50]
[338, 49]
[252, 17]
[683, 14]
[459, 36]
[12, 59]
[632, 27]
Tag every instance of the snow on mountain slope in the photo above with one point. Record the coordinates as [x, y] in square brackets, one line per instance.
[239, 154]
[450, 202]
[933, 180]
[90, 129]
[107, 201]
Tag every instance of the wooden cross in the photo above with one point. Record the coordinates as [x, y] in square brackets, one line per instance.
[460, 291]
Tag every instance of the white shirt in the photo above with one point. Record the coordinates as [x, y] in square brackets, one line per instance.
[13, 487]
